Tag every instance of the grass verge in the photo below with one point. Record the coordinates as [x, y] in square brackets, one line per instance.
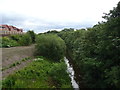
[41, 73]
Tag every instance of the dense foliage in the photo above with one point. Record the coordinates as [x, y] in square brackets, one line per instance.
[25, 40]
[32, 35]
[8, 42]
[18, 40]
[41, 73]
[50, 46]
[96, 51]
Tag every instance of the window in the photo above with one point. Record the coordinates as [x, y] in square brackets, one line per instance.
[3, 27]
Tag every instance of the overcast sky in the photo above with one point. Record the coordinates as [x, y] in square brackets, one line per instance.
[43, 15]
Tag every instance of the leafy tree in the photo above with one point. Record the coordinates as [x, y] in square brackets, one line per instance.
[32, 35]
[50, 46]
[52, 32]
[25, 40]
[115, 13]
[66, 29]
[96, 51]
[15, 37]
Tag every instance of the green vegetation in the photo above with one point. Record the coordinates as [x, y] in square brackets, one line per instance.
[18, 40]
[25, 40]
[15, 37]
[16, 63]
[7, 42]
[96, 51]
[0, 42]
[27, 58]
[32, 35]
[50, 46]
[41, 73]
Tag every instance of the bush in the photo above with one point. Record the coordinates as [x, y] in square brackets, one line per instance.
[16, 37]
[113, 77]
[7, 42]
[15, 40]
[0, 42]
[59, 75]
[32, 35]
[50, 46]
[9, 82]
[25, 40]
[41, 73]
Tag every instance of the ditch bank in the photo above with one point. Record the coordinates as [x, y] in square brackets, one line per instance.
[71, 73]
[77, 75]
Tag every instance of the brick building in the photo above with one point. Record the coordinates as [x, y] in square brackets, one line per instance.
[9, 30]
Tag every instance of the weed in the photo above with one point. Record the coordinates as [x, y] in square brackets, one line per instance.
[38, 73]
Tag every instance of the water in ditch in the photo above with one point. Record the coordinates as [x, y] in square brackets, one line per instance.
[71, 73]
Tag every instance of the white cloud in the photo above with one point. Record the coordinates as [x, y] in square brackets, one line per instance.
[58, 11]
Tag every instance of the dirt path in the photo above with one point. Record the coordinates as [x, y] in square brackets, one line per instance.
[15, 54]
[13, 69]
[10, 55]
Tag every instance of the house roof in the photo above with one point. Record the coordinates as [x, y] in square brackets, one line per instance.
[11, 27]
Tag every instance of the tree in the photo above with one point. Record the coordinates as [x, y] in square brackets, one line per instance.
[51, 46]
[25, 40]
[115, 13]
[32, 35]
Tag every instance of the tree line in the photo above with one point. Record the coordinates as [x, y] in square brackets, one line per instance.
[96, 51]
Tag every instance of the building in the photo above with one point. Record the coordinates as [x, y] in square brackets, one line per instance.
[6, 30]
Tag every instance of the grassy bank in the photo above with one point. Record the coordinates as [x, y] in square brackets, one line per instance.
[41, 73]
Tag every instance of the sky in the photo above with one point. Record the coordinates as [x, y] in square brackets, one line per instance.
[44, 15]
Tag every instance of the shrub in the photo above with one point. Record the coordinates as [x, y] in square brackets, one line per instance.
[7, 42]
[9, 82]
[41, 73]
[59, 75]
[16, 37]
[25, 40]
[0, 42]
[50, 46]
[32, 35]
[113, 77]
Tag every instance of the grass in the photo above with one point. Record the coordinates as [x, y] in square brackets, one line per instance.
[41, 73]
[16, 63]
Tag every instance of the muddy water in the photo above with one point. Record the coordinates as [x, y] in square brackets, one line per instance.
[71, 73]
